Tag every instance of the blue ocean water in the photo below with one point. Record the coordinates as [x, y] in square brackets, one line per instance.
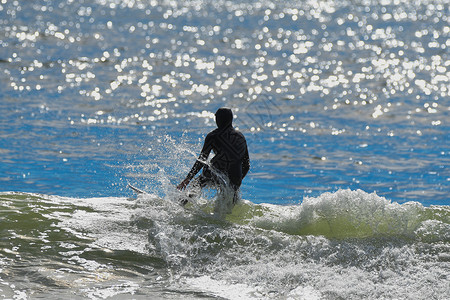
[345, 107]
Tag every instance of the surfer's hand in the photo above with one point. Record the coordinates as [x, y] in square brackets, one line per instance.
[183, 184]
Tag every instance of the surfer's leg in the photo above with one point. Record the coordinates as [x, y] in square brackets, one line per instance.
[196, 186]
[237, 194]
[193, 191]
[235, 197]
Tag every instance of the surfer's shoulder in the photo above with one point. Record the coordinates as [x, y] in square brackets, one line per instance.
[211, 133]
[236, 131]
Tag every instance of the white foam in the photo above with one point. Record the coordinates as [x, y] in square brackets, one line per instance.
[222, 288]
[304, 293]
[342, 214]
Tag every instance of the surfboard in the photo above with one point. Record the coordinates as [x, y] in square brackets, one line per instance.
[182, 200]
[136, 190]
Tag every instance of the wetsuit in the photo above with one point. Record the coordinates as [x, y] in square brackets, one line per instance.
[231, 153]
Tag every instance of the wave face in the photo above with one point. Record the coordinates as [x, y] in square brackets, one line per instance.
[354, 214]
[341, 245]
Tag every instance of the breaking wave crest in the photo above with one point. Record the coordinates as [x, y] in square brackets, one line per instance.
[349, 214]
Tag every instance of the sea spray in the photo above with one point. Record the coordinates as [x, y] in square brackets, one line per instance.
[154, 168]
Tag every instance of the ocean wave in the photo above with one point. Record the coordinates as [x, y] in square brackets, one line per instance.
[345, 244]
[341, 214]
[350, 214]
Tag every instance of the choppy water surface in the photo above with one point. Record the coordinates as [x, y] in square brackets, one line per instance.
[330, 94]
[347, 244]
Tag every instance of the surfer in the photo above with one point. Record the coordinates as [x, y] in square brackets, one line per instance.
[231, 156]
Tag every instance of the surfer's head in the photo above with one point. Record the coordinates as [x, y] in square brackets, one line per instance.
[224, 117]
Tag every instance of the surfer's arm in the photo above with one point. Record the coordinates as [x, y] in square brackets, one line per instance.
[245, 163]
[198, 165]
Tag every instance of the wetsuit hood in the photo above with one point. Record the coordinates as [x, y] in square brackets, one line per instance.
[224, 117]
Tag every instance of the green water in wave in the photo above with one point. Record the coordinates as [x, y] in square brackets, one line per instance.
[347, 214]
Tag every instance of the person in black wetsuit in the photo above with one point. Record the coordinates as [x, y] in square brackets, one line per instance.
[231, 156]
